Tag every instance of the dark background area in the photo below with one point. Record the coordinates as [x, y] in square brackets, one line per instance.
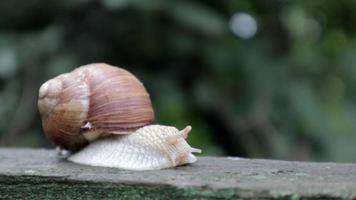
[261, 79]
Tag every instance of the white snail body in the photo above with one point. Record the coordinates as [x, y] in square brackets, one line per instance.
[104, 114]
[148, 148]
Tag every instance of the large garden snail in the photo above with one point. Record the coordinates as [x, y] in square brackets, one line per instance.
[104, 115]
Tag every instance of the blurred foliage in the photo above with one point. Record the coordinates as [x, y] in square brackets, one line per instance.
[287, 92]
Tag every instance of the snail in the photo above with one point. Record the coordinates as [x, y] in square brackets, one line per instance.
[104, 115]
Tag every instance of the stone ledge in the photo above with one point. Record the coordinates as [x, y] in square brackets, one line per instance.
[39, 173]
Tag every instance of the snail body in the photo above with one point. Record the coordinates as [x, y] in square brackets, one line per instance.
[104, 114]
[148, 148]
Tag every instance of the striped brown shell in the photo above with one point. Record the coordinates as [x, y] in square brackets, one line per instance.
[90, 102]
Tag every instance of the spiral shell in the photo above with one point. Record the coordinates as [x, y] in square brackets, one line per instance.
[148, 148]
[90, 102]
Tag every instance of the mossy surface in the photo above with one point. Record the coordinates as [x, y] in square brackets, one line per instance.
[40, 174]
[29, 187]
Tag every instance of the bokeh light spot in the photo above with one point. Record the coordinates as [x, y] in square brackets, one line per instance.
[243, 25]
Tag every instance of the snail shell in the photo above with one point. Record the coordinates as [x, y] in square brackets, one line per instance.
[90, 102]
[148, 148]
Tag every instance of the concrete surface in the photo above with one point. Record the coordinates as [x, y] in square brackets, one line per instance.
[41, 174]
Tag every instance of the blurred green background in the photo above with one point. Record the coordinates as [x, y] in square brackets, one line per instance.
[261, 79]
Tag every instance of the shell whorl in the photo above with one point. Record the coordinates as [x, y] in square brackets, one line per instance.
[92, 101]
